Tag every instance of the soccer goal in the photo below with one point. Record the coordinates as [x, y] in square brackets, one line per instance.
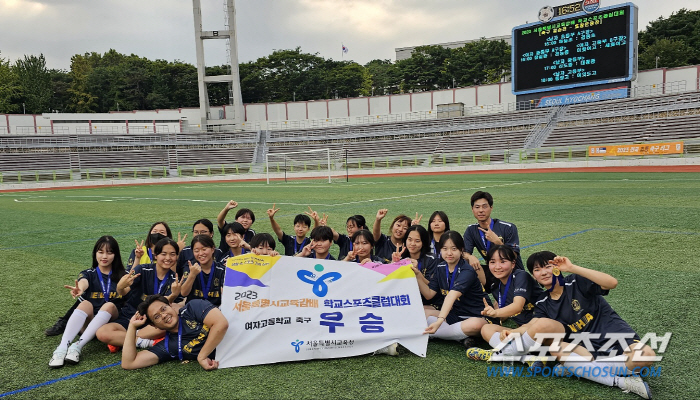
[320, 164]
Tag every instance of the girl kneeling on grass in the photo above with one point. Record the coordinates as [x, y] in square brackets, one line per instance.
[97, 287]
[464, 295]
[143, 281]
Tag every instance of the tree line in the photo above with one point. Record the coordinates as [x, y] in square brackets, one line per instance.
[97, 83]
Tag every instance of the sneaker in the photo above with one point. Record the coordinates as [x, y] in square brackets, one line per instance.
[388, 350]
[73, 355]
[634, 384]
[57, 359]
[479, 354]
[470, 342]
[536, 364]
[113, 349]
[57, 328]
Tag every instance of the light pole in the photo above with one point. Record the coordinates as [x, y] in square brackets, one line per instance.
[657, 61]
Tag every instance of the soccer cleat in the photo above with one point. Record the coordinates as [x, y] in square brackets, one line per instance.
[536, 364]
[479, 354]
[388, 350]
[113, 349]
[470, 342]
[57, 328]
[57, 359]
[634, 384]
[73, 355]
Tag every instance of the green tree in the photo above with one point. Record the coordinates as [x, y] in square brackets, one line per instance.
[682, 26]
[82, 101]
[423, 70]
[478, 63]
[670, 53]
[60, 83]
[9, 89]
[35, 83]
[385, 77]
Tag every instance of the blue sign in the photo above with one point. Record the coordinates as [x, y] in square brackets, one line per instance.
[591, 6]
[583, 97]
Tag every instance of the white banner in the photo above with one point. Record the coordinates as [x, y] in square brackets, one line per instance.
[292, 308]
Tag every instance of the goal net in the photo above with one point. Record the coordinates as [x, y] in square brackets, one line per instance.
[324, 165]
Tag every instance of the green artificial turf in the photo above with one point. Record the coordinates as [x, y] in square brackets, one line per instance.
[642, 228]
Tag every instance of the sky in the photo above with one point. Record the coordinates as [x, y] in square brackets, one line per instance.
[164, 29]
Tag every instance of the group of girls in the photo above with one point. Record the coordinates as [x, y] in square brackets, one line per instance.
[456, 302]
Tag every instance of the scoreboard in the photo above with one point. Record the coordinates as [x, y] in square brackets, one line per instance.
[577, 50]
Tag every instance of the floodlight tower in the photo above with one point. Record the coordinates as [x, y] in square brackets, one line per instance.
[233, 79]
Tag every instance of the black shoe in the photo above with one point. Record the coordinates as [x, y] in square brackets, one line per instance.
[470, 342]
[57, 328]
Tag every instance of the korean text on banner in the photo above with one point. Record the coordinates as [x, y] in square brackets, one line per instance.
[292, 308]
[647, 149]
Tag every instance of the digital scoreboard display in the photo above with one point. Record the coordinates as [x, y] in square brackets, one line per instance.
[575, 50]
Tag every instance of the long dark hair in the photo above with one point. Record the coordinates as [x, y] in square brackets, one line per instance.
[424, 238]
[169, 234]
[110, 244]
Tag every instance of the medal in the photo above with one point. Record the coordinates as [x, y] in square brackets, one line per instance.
[555, 271]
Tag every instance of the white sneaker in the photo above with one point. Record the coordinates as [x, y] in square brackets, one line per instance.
[634, 384]
[57, 359]
[388, 350]
[73, 354]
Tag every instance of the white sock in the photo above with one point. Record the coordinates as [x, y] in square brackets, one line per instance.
[144, 343]
[100, 319]
[513, 348]
[589, 369]
[449, 332]
[495, 339]
[75, 322]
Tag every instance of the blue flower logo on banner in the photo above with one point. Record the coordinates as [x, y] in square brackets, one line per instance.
[320, 284]
[297, 345]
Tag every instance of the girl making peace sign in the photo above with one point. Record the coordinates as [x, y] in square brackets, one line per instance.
[98, 287]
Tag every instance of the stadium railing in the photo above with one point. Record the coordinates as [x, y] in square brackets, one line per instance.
[559, 154]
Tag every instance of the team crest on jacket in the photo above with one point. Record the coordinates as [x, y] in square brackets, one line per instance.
[191, 324]
[575, 305]
[216, 282]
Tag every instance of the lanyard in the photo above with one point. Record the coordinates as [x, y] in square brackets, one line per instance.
[155, 281]
[435, 250]
[350, 245]
[299, 247]
[179, 340]
[105, 289]
[205, 289]
[150, 255]
[503, 297]
[450, 282]
[487, 244]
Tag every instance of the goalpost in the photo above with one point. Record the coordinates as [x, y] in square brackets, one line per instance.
[305, 164]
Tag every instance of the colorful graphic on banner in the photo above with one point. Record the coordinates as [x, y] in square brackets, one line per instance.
[636, 149]
[292, 308]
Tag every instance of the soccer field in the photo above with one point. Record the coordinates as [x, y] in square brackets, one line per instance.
[642, 228]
